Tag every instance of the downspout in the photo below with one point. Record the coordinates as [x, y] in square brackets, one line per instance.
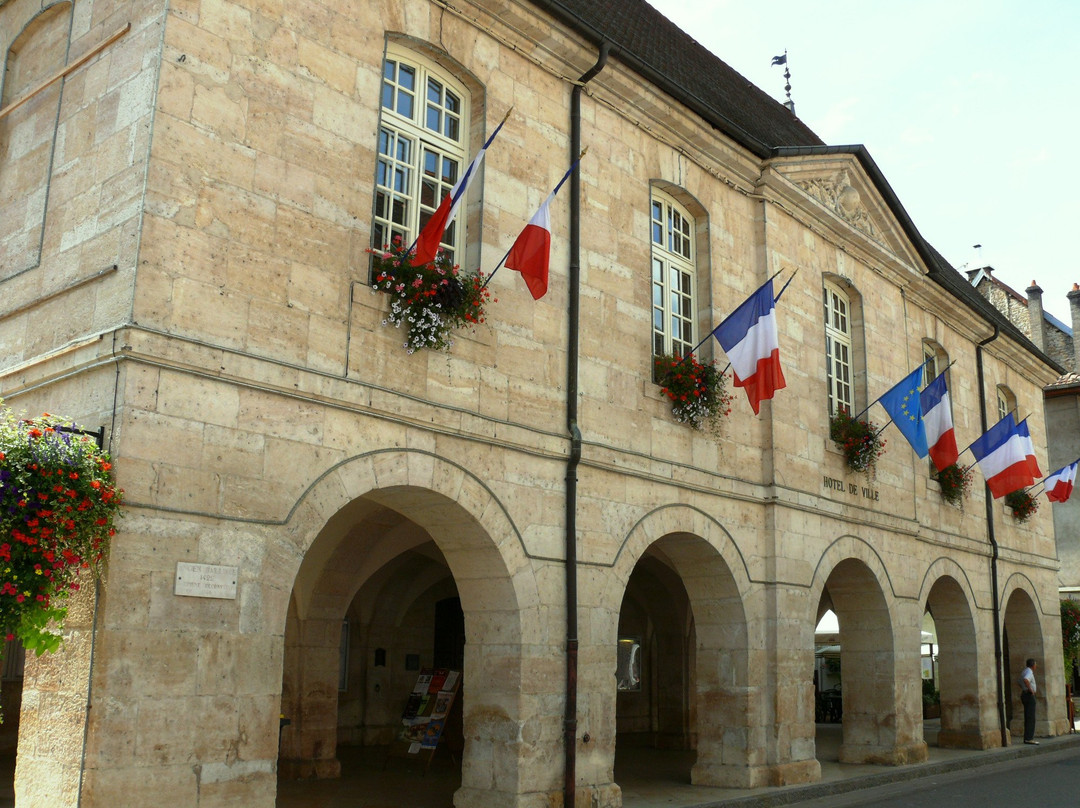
[570, 719]
[994, 549]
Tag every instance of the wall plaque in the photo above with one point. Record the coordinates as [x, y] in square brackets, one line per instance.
[205, 580]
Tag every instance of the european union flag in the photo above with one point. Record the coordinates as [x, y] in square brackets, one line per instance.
[902, 403]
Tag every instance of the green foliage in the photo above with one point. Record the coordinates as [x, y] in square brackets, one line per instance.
[930, 694]
[1070, 635]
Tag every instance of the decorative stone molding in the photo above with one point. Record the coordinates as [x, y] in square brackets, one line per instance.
[838, 195]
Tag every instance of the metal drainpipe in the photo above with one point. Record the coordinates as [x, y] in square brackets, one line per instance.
[994, 548]
[570, 719]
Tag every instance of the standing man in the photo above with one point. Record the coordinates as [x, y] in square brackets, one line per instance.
[1027, 698]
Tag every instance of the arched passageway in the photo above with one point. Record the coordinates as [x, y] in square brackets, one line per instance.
[689, 689]
[874, 729]
[956, 670]
[398, 582]
[1022, 639]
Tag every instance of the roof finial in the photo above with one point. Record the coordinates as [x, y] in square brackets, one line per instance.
[782, 60]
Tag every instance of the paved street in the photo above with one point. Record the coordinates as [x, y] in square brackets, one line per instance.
[1046, 781]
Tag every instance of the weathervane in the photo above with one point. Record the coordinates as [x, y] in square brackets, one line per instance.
[782, 60]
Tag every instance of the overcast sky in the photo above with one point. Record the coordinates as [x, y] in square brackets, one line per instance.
[968, 108]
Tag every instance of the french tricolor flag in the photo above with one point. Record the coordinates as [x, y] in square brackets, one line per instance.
[1029, 449]
[749, 338]
[532, 250]
[1059, 485]
[937, 418]
[1002, 455]
[430, 238]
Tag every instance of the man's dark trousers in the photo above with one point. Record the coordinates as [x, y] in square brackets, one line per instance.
[1028, 700]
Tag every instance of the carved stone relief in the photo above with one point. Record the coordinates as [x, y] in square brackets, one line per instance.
[837, 194]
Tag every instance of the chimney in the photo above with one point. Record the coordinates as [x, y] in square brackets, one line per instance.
[1035, 316]
[1074, 305]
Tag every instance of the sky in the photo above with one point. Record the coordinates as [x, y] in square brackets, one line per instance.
[970, 109]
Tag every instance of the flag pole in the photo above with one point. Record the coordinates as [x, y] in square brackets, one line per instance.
[884, 426]
[876, 400]
[461, 190]
[785, 286]
[565, 177]
[1036, 485]
[694, 350]
[775, 299]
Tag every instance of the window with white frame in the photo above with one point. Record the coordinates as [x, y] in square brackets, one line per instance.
[935, 362]
[422, 148]
[673, 276]
[838, 349]
[930, 362]
[1006, 401]
[935, 359]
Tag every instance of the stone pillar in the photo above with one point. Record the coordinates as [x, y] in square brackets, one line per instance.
[1036, 320]
[309, 747]
[1074, 306]
[53, 716]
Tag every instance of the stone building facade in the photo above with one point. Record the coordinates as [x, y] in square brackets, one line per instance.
[183, 261]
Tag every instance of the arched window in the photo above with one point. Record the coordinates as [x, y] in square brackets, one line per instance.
[1006, 401]
[28, 135]
[839, 353]
[674, 271]
[935, 361]
[422, 147]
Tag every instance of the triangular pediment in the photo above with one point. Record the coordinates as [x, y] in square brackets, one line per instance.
[838, 186]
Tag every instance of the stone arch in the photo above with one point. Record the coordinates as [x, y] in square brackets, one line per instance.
[1023, 637]
[683, 550]
[672, 519]
[393, 518]
[967, 694]
[878, 726]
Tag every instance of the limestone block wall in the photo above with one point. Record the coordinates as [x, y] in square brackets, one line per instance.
[73, 164]
[262, 417]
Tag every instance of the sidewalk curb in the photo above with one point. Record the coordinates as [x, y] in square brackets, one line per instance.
[790, 795]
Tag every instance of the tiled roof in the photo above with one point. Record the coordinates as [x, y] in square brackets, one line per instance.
[1067, 380]
[648, 41]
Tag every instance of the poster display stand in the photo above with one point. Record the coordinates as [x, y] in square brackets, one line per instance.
[425, 713]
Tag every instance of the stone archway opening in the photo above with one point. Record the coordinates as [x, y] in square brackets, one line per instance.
[952, 662]
[864, 676]
[682, 680]
[399, 582]
[1022, 638]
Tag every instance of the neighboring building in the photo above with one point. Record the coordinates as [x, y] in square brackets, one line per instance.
[1053, 337]
[1062, 399]
[182, 260]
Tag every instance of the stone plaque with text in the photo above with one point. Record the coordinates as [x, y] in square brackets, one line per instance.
[205, 580]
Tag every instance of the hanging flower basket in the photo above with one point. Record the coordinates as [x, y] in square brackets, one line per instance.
[955, 482]
[860, 441]
[430, 300]
[58, 506]
[698, 392]
[1023, 505]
